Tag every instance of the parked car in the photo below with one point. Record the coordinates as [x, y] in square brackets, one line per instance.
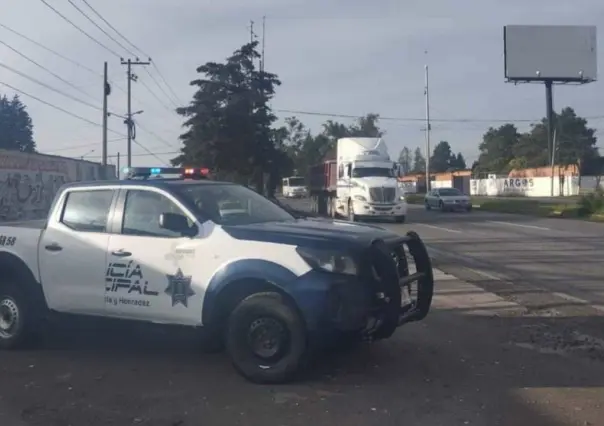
[447, 199]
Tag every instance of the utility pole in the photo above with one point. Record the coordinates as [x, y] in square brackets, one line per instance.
[118, 166]
[263, 37]
[106, 93]
[427, 93]
[129, 123]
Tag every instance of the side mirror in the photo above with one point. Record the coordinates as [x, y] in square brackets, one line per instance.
[176, 223]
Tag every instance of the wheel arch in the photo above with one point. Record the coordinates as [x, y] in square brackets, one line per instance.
[14, 270]
[239, 279]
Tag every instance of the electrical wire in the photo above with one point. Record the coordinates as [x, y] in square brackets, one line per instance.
[66, 19]
[135, 47]
[46, 69]
[60, 55]
[58, 108]
[441, 120]
[155, 135]
[167, 108]
[8, 67]
[161, 88]
[99, 27]
[85, 145]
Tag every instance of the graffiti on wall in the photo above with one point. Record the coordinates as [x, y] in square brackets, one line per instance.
[29, 182]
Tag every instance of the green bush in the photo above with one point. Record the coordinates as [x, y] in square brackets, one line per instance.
[591, 203]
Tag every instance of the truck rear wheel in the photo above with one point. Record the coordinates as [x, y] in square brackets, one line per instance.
[266, 339]
[18, 319]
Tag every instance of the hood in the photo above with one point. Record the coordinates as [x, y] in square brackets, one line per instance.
[320, 233]
[378, 181]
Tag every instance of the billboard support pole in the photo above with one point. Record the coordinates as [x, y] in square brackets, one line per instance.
[549, 108]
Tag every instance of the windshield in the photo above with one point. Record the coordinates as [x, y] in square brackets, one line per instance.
[296, 181]
[228, 204]
[372, 171]
[449, 191]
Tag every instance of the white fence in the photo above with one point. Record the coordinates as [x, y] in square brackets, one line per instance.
[28, 182]
[533, 187]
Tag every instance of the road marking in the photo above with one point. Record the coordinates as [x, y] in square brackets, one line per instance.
[578, 300]
[485, 274]
[440, 228]
[519, 225]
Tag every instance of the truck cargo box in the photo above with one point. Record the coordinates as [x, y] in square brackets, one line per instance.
[323, 177]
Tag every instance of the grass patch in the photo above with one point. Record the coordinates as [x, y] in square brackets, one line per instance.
[589, 206]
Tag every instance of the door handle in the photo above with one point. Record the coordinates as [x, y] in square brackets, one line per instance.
[53, 247]
[121, 253]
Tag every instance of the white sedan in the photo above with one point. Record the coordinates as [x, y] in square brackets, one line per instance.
[447, 199]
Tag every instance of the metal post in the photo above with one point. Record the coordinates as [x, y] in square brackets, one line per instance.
[553, 159]
[118, 165]
[549, 106]
[129, 115]
[106, 92]
[426, 92]
[131, 77]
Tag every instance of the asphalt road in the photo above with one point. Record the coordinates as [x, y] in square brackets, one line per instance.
[516, 337]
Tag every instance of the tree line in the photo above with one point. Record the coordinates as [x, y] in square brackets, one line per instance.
[230, 127]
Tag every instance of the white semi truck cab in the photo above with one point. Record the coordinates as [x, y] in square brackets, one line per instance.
[367, 181]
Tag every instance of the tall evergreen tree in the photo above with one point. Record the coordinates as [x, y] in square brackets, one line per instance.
[229, 119]
[16, 128]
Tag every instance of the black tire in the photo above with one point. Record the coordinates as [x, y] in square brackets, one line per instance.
[428, 207]
[20, 321]
[441, 206]
[270, 308]
[469, 209]
[400, 219]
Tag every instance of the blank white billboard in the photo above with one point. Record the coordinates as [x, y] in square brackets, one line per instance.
[555, 52]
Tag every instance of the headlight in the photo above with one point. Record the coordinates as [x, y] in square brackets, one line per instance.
[360, 198]
[328, 260]
[401, 198]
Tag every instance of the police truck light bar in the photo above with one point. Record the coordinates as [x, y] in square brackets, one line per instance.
[160, 172]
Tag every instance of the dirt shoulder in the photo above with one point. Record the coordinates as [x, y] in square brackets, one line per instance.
[474, 361]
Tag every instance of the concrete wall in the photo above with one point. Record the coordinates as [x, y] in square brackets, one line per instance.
[28, 182]
[526, 186]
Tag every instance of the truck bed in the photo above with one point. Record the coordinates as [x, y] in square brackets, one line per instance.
[31, 224]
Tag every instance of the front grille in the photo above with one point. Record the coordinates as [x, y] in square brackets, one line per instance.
[382, 195]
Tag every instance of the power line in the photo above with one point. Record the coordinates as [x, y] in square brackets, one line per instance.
[442, 120]
[135, 47]
[99, 27]
[161, 88]
[155, 135]
[114, 29]
[46, 69]
[66, 19]
[167, 108]
[49, 87]
[85, 145]
[60, 55]
[58, 108]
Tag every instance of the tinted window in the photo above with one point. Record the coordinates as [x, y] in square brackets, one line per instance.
[449, 191]
[141, 215]
[372, 171]
[296, 181]
[87, 210]
[228, 204]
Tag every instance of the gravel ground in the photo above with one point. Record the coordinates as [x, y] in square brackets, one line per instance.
[494, 351]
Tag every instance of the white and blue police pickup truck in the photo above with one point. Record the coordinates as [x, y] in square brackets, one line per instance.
[267, 285]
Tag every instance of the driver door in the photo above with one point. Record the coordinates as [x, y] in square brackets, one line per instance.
[152, 272]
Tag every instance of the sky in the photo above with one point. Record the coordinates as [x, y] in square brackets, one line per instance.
[339, 57]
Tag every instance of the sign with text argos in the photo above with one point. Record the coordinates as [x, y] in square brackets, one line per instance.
[518, 184]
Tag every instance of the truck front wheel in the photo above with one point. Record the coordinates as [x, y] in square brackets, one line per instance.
[18, 325]
[266, 338]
